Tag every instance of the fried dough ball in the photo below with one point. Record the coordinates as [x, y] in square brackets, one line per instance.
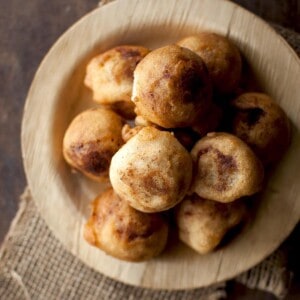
[221, 57]
[91, 140]
[152, 171]
[110, 76]
[226, 168]
[123, 232]
[171, 87]
[202, 223]
[262, 124]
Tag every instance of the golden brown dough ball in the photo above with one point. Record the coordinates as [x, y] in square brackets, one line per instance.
[226, 168]
[123, 232]
[221, 57]
[262, 124]
[171, 87]
[152, 171]
[91, 140]
[202, 223]
[110, 76]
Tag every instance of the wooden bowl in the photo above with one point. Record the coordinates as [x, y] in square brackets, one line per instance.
[57, 94]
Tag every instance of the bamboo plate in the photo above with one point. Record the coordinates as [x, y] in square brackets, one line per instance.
[57, 95]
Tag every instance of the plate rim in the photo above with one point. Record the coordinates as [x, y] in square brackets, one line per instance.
[109, 6]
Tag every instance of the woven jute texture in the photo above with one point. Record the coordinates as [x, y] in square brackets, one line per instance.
[34, 265]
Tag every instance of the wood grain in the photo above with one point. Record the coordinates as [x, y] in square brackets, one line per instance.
[284, 12]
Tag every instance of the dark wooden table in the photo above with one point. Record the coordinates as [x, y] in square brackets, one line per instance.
[27, 31]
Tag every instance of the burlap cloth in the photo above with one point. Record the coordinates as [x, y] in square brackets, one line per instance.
[34, 265]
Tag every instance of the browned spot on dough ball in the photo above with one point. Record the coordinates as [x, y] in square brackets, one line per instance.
[192, 84]
[127, 52]
[221, 57]
[155, 186]
[250, 116]
[261, 123]
[96, 162]
[225, 164]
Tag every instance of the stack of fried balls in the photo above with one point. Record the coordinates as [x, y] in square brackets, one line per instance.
[181, 140]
